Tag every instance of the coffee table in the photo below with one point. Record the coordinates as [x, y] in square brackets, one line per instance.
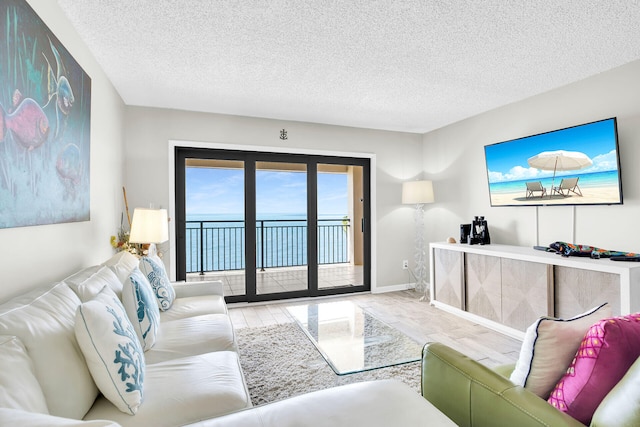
[353, 340]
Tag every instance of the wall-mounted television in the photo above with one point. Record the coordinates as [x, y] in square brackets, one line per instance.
[579, 165]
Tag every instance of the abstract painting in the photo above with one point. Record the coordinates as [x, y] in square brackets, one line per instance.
[45, 116]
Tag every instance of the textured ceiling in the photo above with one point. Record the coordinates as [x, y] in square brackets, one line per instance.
[413, 65]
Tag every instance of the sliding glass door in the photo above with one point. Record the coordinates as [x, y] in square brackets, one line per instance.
[272, 226]
[340, 227]
[281, 227]
[214, 221]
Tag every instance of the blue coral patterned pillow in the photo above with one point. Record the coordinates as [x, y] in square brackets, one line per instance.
[153, 268]
[141, 306]
[112, 350]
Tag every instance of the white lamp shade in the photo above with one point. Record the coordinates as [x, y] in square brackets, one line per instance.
[149, 226]
[417, 192]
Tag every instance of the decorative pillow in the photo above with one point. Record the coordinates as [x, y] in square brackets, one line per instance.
[88, 283]
[607, 351]
[19, 388]
[44, 320]
[141, 306]
[112, 350]
[548, 348]
[121, 264]
[153, 268]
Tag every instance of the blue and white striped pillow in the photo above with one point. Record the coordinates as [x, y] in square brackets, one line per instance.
[141, 306]
[153, 268]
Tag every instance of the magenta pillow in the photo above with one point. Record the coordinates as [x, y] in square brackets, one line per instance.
[607, 351]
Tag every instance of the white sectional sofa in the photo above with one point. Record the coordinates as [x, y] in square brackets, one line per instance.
[192, 371]
[53, 371]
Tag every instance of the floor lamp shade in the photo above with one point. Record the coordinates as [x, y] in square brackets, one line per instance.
[149, 226]
[417, 192]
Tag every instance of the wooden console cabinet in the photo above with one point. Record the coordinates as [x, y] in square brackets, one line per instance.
[508, 287]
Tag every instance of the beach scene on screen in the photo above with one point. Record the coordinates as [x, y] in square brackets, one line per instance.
[577, 165]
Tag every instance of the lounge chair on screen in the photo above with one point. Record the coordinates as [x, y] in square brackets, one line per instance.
[567, 186]
[533, 186]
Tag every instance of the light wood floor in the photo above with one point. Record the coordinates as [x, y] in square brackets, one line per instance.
[404, 311]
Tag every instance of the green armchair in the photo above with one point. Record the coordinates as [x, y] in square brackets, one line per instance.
[473, 395]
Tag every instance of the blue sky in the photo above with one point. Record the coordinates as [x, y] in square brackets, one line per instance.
[221, 191]
[508, 161]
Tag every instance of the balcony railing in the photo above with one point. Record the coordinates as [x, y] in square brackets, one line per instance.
[220, 245]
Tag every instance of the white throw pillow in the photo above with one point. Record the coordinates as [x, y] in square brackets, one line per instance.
[87, 286]
[112, 350]
[549, 347]
[153, 268]
[19, 388]
[142, 307]
[121, 264]
[44, 320]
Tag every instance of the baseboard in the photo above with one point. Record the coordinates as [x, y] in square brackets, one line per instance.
[394, 288]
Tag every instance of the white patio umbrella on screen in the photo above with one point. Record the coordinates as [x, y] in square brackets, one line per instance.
[559, 160]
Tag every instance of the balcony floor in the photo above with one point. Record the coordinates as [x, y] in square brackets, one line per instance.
[285, 279]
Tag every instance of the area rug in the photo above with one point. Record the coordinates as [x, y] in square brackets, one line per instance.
[280, 361]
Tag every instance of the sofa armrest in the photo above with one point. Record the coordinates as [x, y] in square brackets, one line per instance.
[198, 289]
[473, 395]
[621, 407]
[505, 370]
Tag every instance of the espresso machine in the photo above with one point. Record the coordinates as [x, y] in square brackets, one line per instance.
[476, 233]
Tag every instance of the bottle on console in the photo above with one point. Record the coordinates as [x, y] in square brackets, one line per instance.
[485, 238]
[465, 232]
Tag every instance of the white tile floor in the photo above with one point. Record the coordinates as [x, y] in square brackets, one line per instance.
[286, 279]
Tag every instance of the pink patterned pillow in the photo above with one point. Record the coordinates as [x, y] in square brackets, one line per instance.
[607, 351]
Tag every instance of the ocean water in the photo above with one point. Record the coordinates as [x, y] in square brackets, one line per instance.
[595, 179]
[216, 242]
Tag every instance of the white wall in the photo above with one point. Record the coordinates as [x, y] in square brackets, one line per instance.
[32, 256]
[398, 156]
[454, 159]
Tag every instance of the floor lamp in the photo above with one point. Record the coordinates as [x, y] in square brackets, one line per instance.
[149, 226]
[419, 193]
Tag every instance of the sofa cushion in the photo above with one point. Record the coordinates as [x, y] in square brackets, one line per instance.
[183, 391]
[192, 336]
[607, 351]
[90, 281]
[381, 403]
[142, 307]
[17, 417]
[44, 321]
[113, 352]
[621, 407]
[80, 276]
[19, 387]
[194, 306]
[153, 268]
[121, 264]
[548, 348]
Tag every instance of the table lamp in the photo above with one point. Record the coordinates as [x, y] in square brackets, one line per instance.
[149, 226]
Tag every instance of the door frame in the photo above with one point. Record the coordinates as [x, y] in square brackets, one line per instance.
[173, 144]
